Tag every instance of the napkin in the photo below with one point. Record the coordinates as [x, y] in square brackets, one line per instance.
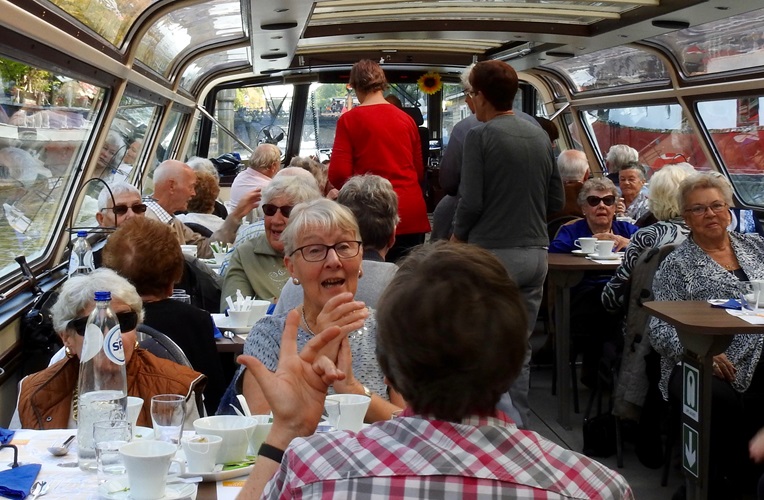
[16, 483]
[215, 332]
[730, 304]
[6, 435]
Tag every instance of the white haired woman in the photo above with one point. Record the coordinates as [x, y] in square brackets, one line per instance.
[323, 253]
[47, 399]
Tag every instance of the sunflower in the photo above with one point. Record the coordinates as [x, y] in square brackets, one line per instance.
[430, 83]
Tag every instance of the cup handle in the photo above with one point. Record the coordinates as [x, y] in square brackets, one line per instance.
[577, 243]
[181, 467]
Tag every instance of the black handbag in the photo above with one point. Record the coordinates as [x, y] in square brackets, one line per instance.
[39, 340]
[599, 435]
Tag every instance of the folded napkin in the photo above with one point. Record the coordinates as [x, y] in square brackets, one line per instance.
[6, 435]
[730, 304]
[215, 332]
[16, 483]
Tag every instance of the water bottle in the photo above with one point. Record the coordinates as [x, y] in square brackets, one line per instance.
[102, 384]
[81, 258]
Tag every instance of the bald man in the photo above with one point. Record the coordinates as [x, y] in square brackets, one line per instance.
[173, 186]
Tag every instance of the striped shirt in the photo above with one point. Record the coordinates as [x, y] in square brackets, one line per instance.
[413, 457]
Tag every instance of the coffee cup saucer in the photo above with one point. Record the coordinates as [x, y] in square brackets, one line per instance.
[580, 252]
[612, 256]
[119, 489]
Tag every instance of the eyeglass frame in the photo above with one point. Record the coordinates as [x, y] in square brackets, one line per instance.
[286, 210]
[326, 250]
[603, 199]
[127, 318]
[118, 209]
[721, 206]
[470, 93]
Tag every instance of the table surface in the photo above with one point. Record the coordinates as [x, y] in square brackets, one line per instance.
[234, 345]
[570, 262]
[698, 317]
[68, 483]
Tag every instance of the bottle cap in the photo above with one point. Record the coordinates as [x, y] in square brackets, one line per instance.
[82, 234]
[101, 296]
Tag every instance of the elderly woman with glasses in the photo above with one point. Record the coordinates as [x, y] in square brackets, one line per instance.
[257, 266]
[323, 253]
[712, 263]
[48, 399]
[594, 331]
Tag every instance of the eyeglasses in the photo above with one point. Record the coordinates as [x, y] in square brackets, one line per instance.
[318, 252]
[470, 93]
[270, 210]
[593, 201]
[699, 210]
[138, 208]
[128, 320]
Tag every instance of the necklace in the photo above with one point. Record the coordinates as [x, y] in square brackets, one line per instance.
[75, 405]
[305, 322]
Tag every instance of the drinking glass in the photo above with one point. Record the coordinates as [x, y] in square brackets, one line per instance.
[181, 295]
[108, 436]
[168, 411]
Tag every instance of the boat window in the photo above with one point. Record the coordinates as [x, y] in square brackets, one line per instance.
[46, 119]
[735, 127]
[216, 61]
[186, 28]
[326, 103]
[660, 133]
[609, 68]
[110, 19]
[167, 140]
[120, 153]
[735, 43]
[255, 115]
[454, 109]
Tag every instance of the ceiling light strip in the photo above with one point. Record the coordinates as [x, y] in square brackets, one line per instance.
[473, 13]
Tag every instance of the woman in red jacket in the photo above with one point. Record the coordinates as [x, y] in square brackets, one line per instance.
[378, 138]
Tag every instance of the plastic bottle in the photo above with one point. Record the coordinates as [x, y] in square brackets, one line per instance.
[81, 259]
[102, 385]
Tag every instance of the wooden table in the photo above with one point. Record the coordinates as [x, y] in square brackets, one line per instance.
[565, 271]
[234, 345]
[704, 331]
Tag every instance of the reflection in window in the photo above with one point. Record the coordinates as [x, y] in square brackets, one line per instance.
[164, 152]
[45, 120]
[192, 26]
[325, 104]
[661, 134]
[120, 154]
[205, 64]
[256, 115]
[108, 18]
[735, 127]
[724, 45]
[614, 67]
[454, 109]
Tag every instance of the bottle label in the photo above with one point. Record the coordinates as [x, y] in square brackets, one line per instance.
[91, 344]
[112, 346]
[87, 261]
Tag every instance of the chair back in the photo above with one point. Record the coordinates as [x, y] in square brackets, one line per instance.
[162, 346]
[633, 382]
[553, 226]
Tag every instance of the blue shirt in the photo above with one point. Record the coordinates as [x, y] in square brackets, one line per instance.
[563, 242]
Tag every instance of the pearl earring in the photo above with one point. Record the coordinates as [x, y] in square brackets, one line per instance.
[295, 280]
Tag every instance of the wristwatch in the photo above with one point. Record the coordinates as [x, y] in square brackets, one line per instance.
[366, 391]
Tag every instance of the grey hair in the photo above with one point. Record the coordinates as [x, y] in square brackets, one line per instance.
[705, 180]
[198, 164]
[316, 169]
[115, 139]
[573, 165]
[635, 165]
[374, 203]
[619, 155]
[465, 77]
[596, 184]
[297, 172]
[117, 188]
[78, 292]
[264, 156]
[322, 213]
[664, 186]
[295, 189]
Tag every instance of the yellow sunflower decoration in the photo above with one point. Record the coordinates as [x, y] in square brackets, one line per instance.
[430, 83]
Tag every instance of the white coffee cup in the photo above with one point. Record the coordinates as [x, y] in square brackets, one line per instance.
[147, 463]
[586, 245]
[258, 310]
[235, 430]
[238, 319]
[758, 288]
[604, 248]
[134, 406]
[261, 432]
[201, 452]
[189, 250]
[352, 410]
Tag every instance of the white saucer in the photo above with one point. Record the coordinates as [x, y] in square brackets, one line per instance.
[614, 256]
[118, 489]
[223, 322]
[580, 252]
[220, 475]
